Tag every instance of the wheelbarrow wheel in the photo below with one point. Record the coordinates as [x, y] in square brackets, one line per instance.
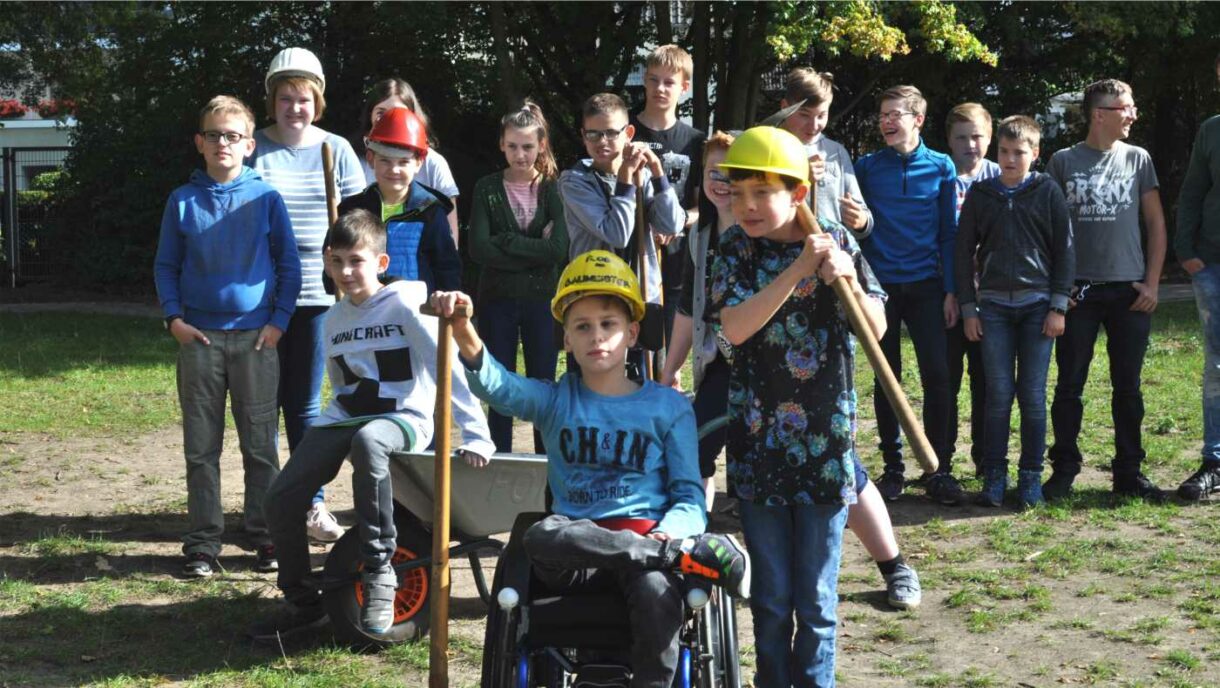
[410, 602]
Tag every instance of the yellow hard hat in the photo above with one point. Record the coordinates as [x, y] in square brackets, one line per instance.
[597, 273]
[768, 149]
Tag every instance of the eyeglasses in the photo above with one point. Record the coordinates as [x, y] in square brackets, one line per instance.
[595, 135]
[229, 137]
[894, 115]
[1126, 110]
[718, 176]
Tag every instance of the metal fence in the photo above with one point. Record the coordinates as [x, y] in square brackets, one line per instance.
[28, 225]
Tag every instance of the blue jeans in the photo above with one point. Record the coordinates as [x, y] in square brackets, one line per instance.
[1127, 331]
[921, 306]
[795, 553]
[1207, 299]
[302, 365]
[501, 324]
[1012, 337]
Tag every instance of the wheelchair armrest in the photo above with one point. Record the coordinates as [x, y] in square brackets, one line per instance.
[515, 561]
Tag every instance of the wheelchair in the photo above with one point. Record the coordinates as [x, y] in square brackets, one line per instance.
[536, 638]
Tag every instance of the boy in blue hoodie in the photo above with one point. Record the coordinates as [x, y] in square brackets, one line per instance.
[419, 243]
[622, 463]
[912, 192]
[227, 275]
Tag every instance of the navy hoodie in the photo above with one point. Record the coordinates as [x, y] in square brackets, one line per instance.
[227, 258]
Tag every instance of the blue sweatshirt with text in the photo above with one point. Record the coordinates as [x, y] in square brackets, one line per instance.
[227, 258]
[633, 456]
[914, 202]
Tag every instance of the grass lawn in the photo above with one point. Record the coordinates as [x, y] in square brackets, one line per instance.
[1091, 592]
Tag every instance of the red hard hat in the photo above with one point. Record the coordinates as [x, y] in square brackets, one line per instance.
[399, 129]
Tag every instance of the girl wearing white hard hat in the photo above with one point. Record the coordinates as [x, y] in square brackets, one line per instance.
[288, 155]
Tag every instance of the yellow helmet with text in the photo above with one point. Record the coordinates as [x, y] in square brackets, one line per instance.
[597, 273]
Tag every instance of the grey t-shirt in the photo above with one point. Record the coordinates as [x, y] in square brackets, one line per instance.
[1103, 190]
[839, 180]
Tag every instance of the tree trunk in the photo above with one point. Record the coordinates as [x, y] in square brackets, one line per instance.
[700, 29]
[504, 67]
[665, 24]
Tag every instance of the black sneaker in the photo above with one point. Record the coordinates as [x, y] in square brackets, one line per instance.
[720, 559]
[1058, 486]
[199, 565]
[890, 485]
[264, 559]
[289, 620]
[1205, 481]
[944, 488]
[1140, 486]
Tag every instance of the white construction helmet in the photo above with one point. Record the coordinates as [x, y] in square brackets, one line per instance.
[295, 62]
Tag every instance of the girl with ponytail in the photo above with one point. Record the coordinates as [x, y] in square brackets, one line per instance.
[519, 238]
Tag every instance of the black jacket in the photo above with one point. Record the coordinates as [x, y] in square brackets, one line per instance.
[1023, 242]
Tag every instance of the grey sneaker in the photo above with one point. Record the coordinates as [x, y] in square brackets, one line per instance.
[377, 614]
[199, 565]
[902, 588]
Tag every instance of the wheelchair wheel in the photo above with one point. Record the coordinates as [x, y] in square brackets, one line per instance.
[504, 665]
[720, 638]
[411, 600]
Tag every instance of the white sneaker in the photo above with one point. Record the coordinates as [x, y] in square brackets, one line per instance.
[321, 525]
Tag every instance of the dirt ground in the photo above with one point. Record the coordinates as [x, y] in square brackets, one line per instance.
[130, 491]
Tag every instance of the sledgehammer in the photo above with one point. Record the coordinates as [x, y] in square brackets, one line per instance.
[872, 349]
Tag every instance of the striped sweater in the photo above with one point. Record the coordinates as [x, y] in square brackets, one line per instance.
[297, 174]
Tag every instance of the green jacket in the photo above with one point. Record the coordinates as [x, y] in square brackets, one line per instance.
[1198, 233]
[517, 263]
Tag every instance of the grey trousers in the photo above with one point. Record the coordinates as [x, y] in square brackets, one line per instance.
[569, 554]
[206, 373]
[315, 463]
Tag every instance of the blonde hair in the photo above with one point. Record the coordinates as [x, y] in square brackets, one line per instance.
[720, 140]
[227, 105]
[909, 95]
[1020, 128]
[296, 83]
[812, 87]
[968, 113]
[671, 57]
[529, 116]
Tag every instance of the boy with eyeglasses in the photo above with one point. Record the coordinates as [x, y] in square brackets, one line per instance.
[1110, 186]
[599, 193]
[911, 191]
[227, 275]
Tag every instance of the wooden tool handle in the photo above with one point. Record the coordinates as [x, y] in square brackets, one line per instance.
[328, 174]
[876, 358]
[460, 310]
[438, 657]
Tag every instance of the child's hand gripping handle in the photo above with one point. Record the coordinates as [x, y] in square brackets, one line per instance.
[872, 349]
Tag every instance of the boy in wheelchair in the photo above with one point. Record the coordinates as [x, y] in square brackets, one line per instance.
[622, 467]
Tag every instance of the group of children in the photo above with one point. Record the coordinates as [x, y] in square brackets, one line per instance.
[977, 259]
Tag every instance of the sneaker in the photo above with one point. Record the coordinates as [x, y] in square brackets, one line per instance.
[289, 620]
[902, 589]
[199, 565]
[1058, 487]
[321, 525]
[264, 559]
[944, 488]
[1140, 486]
[1205, 481]
[1029, 488]
[719, 559]
[380, 586]
[994, 486]
[890, 484]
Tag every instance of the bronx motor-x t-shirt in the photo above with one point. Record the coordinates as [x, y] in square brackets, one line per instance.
[1103, 190]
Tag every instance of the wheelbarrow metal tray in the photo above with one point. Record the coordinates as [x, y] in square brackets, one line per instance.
[484, 500]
